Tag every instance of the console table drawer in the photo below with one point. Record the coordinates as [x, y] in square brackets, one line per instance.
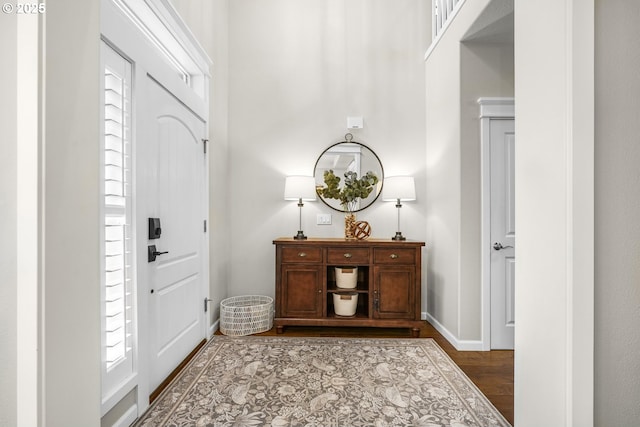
[394, 256]
[301, 254]
[347, 256]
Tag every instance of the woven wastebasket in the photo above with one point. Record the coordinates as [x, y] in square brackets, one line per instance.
[246, 315]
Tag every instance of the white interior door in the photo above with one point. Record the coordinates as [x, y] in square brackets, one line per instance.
[503, 236]
[174, 182]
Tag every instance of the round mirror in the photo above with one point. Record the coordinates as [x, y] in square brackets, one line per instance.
[341, 161]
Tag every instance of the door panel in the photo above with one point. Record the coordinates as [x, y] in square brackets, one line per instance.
[393, 292]
[174, 164]
[509, 297]
[301, 291]
[502, 147]
[172, 323]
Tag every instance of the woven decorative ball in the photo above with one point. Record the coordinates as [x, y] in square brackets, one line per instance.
[361, 230]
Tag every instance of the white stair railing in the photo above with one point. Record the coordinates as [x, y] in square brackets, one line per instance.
[443, 11]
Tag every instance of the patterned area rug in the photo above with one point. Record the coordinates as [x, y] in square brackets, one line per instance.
[328, 382]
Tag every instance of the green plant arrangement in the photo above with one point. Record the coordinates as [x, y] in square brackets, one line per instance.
[349, 195]
[352, 191]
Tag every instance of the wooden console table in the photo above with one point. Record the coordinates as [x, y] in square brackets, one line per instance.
[388, 285]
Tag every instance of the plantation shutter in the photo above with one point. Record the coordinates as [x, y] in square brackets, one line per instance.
[118, 311]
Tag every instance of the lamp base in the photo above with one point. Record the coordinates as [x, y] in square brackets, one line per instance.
[398, 236]
[300, 236]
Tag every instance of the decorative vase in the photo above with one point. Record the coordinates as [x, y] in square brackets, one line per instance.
[349, 223]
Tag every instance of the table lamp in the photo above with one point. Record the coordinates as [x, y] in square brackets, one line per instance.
[399, 189]
[300, 188]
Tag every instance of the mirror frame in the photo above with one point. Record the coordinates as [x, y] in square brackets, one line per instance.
[349, 140]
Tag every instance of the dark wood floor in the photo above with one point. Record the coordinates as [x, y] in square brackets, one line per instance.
[491, 371]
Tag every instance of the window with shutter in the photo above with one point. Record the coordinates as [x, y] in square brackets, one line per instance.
[118, 311]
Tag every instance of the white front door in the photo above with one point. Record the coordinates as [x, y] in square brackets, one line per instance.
[174, 183]
[503, 242]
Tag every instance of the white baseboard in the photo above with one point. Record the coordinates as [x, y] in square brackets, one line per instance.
[213, 328]
[460, 345]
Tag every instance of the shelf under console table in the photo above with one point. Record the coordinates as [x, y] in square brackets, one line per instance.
[388, 284]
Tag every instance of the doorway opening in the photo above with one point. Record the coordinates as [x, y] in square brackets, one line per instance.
[497, 117]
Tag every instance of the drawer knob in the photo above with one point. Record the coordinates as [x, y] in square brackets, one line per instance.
[348, 255]
[393, 256]
[302, 254]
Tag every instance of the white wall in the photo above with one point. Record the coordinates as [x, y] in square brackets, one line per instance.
[70, 296]
[209, 21]
[459, 70]
[56, 377]
[8, 220]
[617, 229]
[442, 70]
[554, 214]
[296, 71]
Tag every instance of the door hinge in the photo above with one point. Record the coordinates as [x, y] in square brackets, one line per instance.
[206, 304]
[205, 225]
[204, 145]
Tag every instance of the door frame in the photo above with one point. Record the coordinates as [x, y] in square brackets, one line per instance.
[491, 108]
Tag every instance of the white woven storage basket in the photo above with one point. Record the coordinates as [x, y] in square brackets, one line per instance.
[345, 304]
[347, 277]
[246, 315]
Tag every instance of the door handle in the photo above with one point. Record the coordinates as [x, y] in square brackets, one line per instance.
[497, 246]
[152, 253]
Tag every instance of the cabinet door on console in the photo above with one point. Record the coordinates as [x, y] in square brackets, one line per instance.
[301, 291]
[394, 292]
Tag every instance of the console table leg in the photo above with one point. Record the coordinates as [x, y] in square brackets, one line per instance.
[415, 332]
[279, 329]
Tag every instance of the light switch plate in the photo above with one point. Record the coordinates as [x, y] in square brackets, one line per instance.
[323, 219]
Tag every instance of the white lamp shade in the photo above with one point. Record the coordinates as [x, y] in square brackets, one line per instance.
[399, 187]
[300, 187]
